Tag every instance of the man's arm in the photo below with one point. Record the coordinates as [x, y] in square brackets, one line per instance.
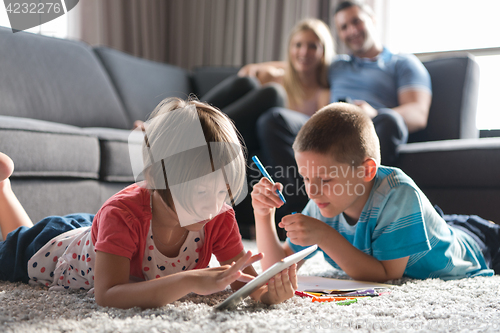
[414, 107]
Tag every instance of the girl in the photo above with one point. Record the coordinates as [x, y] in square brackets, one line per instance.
[159, 233]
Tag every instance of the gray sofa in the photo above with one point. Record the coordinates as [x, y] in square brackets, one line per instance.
[66, 110]
[455, 168]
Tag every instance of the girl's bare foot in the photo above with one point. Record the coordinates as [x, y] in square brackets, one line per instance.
[12, 213]
[6, 167]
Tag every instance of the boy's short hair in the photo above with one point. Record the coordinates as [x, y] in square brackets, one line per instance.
[343, 130]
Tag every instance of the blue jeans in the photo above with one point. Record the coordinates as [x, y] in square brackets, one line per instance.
[22, 243]
[485, 233]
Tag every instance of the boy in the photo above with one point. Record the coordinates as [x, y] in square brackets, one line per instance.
[370, 221]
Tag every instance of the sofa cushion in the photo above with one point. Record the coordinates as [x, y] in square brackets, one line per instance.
[452, 163]
[45, 149]
[56, 80]
[44, 197]
[115, 160]
[143, 84]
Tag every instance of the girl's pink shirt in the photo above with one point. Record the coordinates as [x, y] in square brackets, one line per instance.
[121, 226]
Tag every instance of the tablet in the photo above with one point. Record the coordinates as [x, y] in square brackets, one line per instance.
[232, 301]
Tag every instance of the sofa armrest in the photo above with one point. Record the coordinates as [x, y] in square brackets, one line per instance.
[460, 176]
[452, 163]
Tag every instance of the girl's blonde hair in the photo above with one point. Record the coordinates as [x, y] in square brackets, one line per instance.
[291, 79]
[223, 151]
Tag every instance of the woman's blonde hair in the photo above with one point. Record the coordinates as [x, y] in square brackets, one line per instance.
[291, 79]
[222, 150]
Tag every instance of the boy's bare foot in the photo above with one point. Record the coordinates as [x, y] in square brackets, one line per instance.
[6, 167]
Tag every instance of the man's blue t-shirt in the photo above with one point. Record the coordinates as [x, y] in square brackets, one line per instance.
[399, 221]
[377, 81]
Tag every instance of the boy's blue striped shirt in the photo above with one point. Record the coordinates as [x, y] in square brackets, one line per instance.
[399, 221]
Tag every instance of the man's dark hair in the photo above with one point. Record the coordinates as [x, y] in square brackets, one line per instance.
[351, 3]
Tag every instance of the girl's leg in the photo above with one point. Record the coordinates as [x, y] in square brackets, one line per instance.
[12, 213]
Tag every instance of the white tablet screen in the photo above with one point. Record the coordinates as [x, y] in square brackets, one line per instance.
[262, 278]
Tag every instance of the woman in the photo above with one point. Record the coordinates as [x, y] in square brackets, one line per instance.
[305, 78]
[305, 73]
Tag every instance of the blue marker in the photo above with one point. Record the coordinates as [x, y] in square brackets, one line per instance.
[265, 174]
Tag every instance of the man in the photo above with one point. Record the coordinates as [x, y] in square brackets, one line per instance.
[393, 90]
[381, 83]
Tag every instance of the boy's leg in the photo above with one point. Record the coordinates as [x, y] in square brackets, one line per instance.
[486, 233]
[12, 213]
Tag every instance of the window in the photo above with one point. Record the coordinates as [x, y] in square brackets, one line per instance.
[444, 25]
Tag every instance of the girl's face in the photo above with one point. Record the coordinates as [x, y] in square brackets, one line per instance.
[208, 196]
[305, 51]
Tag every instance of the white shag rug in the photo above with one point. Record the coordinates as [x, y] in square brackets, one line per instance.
[468, 305]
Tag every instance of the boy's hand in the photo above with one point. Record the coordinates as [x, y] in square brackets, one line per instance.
[264, 197]
[304, 230]
[281, 287]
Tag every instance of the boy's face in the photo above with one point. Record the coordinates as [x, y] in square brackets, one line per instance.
[334, 187]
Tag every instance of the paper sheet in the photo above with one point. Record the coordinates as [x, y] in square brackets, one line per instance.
[316, 283]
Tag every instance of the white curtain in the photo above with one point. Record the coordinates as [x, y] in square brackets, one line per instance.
[190, 33]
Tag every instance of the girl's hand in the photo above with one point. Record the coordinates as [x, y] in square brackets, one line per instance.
[281, 287]
[264, 197]
[304, 230]
[211, 280]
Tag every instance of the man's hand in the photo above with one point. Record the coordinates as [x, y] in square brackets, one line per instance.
[367, 108]
[264, 197]
[304, 230]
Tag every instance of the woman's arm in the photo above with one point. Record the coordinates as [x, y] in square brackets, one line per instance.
[112, 287]
[271, 71]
